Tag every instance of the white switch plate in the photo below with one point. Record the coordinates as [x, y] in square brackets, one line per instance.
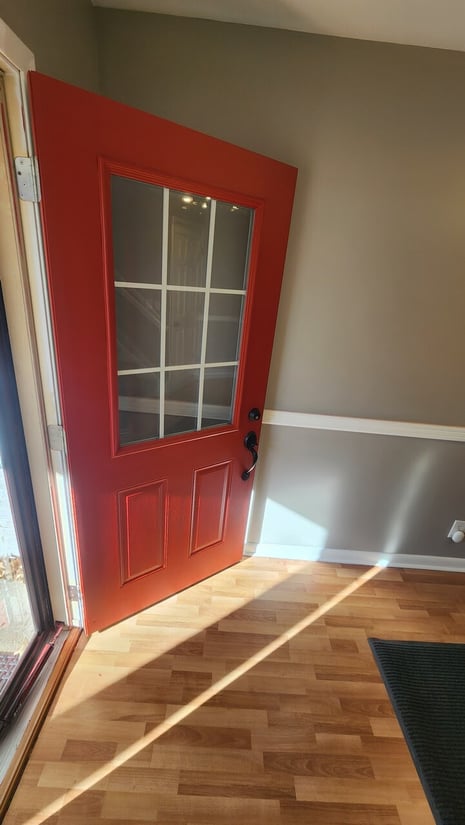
[457, 525]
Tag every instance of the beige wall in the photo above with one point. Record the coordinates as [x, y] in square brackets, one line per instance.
[371, 320]
[371, 317]
[61, 34]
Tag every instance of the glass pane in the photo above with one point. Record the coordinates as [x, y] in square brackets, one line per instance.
[181, 401]
[138, 313]
[17, 628]
[184, 324]
[189, 220]
[218, 394]
[231, 246]
[139, 407]
[137, 225]
[174, 265]
[224, 323]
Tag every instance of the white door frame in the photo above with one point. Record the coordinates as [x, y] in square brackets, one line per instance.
[26, 301]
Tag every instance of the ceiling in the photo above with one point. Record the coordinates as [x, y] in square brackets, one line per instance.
[435, 23]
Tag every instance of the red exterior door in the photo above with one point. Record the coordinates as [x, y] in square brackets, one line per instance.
[165, 250]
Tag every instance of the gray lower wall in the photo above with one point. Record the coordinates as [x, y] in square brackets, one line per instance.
[61, 34]
[348, 491]
[371, 316]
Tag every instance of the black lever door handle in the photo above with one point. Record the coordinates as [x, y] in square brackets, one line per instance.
[250, 441]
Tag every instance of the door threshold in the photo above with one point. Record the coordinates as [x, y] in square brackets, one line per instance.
[17, 742]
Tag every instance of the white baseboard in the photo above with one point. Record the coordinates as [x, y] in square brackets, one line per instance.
[362, 557]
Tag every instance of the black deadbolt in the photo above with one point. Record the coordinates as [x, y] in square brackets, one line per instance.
[254, 414]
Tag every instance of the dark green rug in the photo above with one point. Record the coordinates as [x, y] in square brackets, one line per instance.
[426, 685]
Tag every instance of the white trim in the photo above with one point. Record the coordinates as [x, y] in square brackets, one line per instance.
[179, 368]
[180, 287]
[151, 406]
[140, 371]
[136, 285]
[163, 309]
[25, 293]
[13, 51]
[358, 557]
[368, 426]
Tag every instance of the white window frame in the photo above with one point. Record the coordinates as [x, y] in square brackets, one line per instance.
[26, 300]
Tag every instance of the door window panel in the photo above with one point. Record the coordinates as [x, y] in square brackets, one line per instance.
[184, 325]
[233, 226]
[224, 323]
[189, 223]
[181, 401]
[218, 395]
[138, 324]
[180, 281]
[137, 217]
[139, 407]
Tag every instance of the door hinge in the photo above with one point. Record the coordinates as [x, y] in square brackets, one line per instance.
[56, 438]
[74, 594]
[27, 179]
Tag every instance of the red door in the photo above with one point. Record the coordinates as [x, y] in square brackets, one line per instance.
[165, 250]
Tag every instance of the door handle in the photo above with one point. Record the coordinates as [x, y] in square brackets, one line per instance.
[250, 441]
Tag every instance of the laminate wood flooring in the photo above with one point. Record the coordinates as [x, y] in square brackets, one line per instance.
[249, 699]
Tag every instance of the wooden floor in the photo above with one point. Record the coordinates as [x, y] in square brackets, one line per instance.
[251, 698]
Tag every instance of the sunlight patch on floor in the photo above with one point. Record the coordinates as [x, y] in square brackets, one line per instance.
[132, 750]
[109, 653]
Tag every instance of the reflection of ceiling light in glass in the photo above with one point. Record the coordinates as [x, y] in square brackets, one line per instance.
[234, 208]
[205, 205]
[187, 198]
[208, 198]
